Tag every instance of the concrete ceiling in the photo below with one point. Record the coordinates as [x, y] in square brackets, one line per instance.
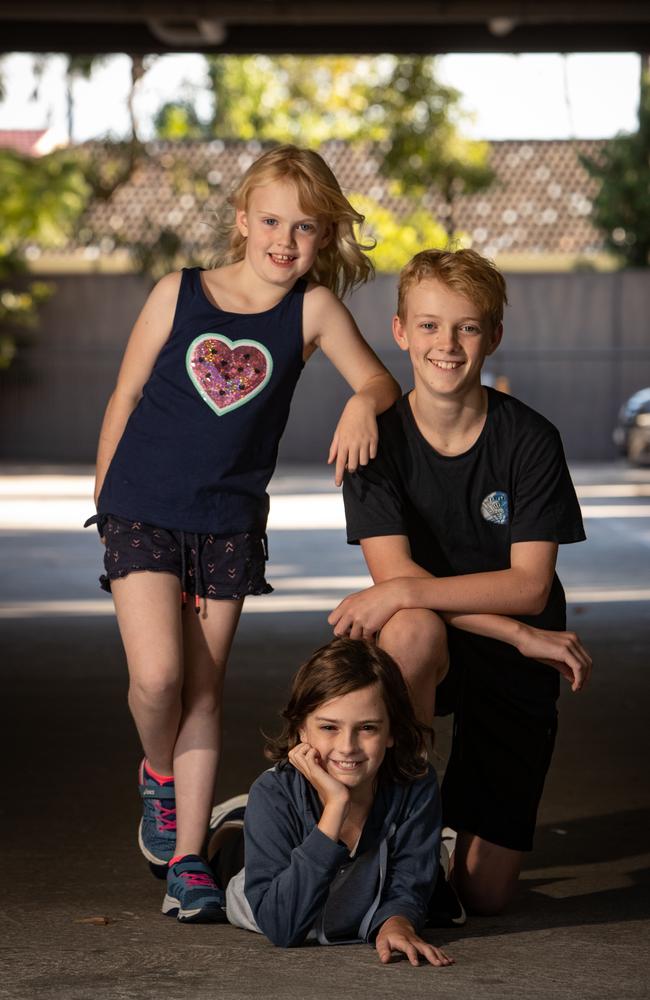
[320, 26]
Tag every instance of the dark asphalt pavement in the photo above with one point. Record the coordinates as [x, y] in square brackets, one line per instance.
[81, 917]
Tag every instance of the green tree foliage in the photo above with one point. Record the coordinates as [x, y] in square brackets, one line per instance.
[421, 121]
[396, 103]
[159, 257]
[621, 209]
[18, 306]
[301, 99]
[398, 239]
[106, 166]
[179, 120]
[41, 200]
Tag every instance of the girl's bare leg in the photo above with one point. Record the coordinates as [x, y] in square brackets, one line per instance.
[207, 641]
[177, 662]
[149, 617]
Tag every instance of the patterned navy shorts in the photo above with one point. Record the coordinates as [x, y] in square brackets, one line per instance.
[222, 567]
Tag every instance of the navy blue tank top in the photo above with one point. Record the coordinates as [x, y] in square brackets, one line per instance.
[200, 447]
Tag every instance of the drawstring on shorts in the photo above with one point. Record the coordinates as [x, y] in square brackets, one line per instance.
[197, 576]
[183, 571]
[197, 573]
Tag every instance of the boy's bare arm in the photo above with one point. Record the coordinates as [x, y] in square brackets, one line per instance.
[522, 589]
[389, 558]
[389, 561]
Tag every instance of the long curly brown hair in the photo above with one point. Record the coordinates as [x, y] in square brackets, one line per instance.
[346, 665]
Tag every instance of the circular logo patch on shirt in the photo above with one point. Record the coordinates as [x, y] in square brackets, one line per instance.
[495, 508]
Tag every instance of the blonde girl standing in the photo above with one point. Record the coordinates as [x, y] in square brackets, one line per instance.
[186, 450]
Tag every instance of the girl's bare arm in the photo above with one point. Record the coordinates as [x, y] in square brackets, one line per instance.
[329, 325]
[151, 330]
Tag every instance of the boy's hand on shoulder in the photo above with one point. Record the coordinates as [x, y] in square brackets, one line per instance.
[561, 650]
[363, 614]
[355, 438]
[397, 934]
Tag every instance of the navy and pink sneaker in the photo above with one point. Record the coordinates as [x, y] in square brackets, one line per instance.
[193, 896]
[157, 830]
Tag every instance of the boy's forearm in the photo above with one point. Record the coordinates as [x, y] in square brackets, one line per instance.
[489, 626]
[479, 595]
[500, 592]
[400, 564]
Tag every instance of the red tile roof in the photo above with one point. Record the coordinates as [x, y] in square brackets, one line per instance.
[22, 140]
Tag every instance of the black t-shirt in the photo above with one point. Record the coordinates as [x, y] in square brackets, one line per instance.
[462, 513]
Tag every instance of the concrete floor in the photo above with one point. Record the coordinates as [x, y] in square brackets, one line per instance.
[81, 913]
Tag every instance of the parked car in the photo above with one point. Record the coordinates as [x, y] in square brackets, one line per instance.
[632, 433]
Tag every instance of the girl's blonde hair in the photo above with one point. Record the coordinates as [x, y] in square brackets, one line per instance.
[342, 264]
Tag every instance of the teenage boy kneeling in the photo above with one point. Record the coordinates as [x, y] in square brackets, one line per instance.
[459, 517]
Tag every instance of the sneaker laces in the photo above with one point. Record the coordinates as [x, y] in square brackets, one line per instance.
[166, 818]
[202, 879]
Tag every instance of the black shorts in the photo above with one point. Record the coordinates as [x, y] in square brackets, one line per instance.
[505, 721]
[221, 567]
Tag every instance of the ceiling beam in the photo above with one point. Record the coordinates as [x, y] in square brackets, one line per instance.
[335, 26]
[329, 11]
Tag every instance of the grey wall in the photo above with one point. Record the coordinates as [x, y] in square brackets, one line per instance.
[52, 399]
[575, 346]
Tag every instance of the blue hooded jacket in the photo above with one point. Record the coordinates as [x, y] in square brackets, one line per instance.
[300, 884]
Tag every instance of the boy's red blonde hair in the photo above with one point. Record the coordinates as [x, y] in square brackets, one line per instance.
[463, 271]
